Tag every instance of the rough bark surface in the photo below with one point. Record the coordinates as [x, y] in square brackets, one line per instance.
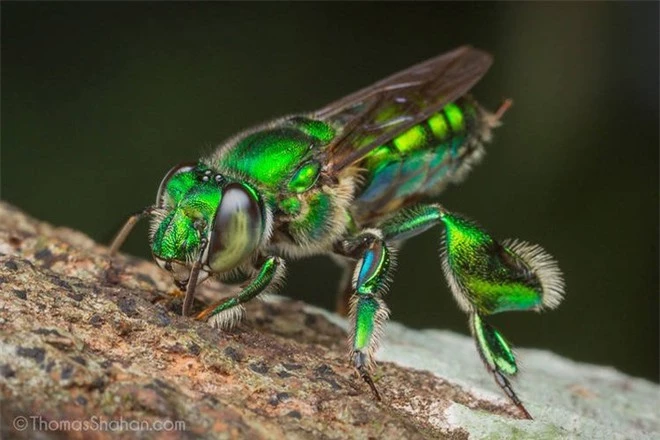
[83, 344]
[79, 341]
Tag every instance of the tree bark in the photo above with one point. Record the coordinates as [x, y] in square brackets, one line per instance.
[87, 352]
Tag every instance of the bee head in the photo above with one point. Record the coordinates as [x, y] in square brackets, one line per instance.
[200, 214]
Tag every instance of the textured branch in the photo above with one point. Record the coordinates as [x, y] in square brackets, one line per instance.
[79, 345]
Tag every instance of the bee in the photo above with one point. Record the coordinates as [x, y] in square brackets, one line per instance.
[353, 180]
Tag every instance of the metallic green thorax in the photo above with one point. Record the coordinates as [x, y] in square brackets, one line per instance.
[192, 201]
[490, 275]
[284, 161]
[281, 155]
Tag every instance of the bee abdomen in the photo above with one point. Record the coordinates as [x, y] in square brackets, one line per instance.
[424, 159]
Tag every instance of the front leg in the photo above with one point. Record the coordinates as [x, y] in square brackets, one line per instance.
[229, 311]
[368, 311]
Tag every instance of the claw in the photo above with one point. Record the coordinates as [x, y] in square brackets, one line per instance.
[360, 366]
[370, 382]
[523, 410]
[503, 382]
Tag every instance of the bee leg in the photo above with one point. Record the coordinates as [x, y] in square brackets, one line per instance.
[345, 289]
[191, 286]
[368, 311]
[123, 233]
[497, 356]
[486, 277]
[524, 276]
[112, 272]
[229, 311]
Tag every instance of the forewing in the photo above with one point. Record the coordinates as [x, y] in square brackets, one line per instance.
[374, 115]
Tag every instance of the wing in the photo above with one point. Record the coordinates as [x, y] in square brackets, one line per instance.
[376, 114]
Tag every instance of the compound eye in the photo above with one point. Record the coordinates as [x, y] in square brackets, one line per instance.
[181, 168]
[237, 228]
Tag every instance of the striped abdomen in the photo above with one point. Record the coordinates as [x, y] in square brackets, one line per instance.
[423, 160]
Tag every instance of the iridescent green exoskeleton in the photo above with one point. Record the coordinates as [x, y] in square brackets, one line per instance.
[350, 180]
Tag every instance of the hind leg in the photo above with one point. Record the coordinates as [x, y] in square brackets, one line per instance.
[486, 277]
[497, 356]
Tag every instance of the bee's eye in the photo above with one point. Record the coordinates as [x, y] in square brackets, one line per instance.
[237, 228]
[181, 168]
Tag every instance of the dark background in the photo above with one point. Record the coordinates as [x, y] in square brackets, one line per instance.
[99, 100]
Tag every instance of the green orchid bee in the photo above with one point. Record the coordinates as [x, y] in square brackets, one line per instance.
[350, 180]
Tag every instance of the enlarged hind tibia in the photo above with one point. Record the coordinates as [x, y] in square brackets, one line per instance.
[486, 277]
[484, 274]
[492, 277]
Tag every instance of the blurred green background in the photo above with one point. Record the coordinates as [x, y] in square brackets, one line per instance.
[99, 100]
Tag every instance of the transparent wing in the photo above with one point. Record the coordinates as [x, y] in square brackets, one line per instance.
[374, 115]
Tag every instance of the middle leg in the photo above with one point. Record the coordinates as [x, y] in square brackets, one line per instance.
[375, 262]
[367, 310]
